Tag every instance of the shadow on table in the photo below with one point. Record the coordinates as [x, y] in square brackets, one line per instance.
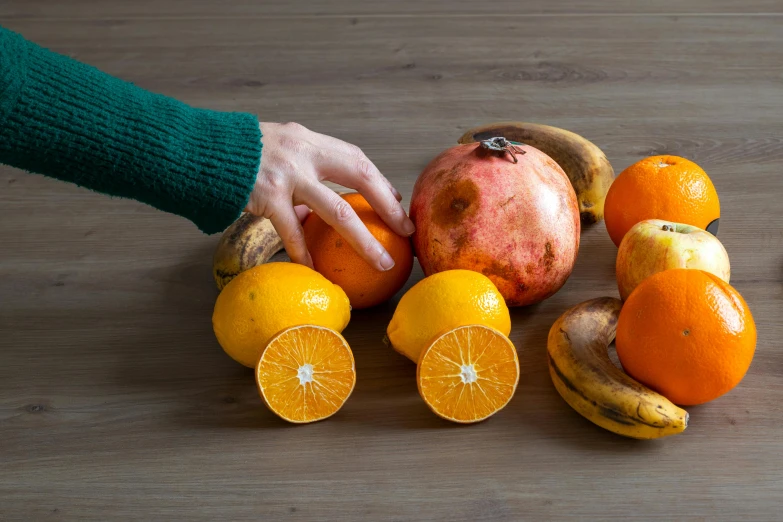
[597, 255]
[386, 395]
[172, 361]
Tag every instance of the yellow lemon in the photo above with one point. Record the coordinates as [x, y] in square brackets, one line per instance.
[262, 301]
[442, 302]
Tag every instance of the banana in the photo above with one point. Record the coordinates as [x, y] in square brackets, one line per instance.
[248, 242]
[588, 381]
[584, 163]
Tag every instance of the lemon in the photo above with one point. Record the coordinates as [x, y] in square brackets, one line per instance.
[442, 302]
[269, 298]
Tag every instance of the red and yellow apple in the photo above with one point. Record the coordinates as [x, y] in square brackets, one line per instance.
[654, 245]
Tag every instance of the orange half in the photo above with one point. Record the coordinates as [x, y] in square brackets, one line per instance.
[468, 374]
[306, 373]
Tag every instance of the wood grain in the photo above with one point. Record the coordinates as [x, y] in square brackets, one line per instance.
[117, 403]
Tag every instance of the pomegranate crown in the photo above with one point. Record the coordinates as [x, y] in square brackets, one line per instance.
[501, 144]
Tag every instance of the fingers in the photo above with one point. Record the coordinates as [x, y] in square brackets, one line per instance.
[387, 206]
[291, 170]
[339, 214]
[359, 173]
[287, 223]
[347, 165]
[302, 211]
[393, 190]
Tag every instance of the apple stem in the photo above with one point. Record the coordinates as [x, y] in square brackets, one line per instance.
[667, 228]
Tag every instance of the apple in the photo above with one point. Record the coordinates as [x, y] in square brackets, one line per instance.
[654, 245]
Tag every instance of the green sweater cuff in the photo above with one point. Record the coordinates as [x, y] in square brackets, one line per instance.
[70, 121]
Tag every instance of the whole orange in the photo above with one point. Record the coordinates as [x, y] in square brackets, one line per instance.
[660, 187]
[687, 334]
[334, 257]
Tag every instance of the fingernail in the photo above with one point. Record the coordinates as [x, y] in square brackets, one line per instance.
[387, 263]
[408, 226]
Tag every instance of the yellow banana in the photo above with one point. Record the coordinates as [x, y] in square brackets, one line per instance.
[584, 163]
[248, 242]
[592, 385]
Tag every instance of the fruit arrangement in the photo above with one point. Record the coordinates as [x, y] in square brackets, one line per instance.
[591, 384]
[455, 326]
[498, 224]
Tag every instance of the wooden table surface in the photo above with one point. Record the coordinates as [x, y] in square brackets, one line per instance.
[116, 402]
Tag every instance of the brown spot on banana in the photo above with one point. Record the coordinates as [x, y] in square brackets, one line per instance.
[586, 165]
[590, 383]
[610, 412]
[250, 241]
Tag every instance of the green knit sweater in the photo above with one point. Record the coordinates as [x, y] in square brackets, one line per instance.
[70, 121]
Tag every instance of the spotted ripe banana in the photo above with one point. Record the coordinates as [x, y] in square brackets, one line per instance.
[584, 163]
[250, 241]
[591, 384]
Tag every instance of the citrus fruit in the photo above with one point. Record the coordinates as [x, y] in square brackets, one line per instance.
[686, 334]
[266, 299]
[334, 257]
[660, 187]
[306, 373]
[441, 302]
[468, 374]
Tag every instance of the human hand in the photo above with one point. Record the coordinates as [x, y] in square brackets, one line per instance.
[294, 162]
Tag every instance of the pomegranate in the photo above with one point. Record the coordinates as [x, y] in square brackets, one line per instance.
[502, 209]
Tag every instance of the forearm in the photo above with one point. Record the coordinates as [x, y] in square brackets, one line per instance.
[72, 122]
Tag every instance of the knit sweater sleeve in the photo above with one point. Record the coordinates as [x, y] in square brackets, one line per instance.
[70, 121]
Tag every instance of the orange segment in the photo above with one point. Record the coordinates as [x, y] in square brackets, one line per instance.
[306, 373]
[468, 374]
